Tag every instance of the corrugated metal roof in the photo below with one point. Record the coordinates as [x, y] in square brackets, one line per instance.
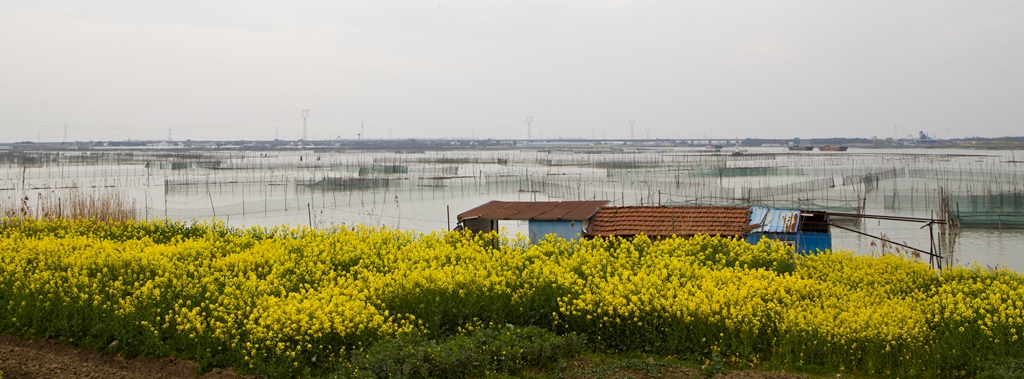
[770, 220]
[534, 210]
[660, 221]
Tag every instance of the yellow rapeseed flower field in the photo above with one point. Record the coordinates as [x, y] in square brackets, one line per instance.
[286, 302]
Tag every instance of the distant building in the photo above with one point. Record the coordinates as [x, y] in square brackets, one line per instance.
[164, 145]
[565, 219]
[807, 231]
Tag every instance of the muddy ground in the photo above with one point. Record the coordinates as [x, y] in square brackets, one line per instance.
[30, 359]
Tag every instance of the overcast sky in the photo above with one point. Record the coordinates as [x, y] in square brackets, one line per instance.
[116, 70]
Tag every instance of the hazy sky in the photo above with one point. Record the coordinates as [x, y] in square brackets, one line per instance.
[771, 69]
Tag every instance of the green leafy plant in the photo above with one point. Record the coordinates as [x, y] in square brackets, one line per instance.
[713, 365]
[507, 349]
[1003, 370]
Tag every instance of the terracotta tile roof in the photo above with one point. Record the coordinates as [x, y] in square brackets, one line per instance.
[660, 221]
[534, 210]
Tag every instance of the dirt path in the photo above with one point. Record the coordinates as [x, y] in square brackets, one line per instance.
[29, 359]
[25, 359]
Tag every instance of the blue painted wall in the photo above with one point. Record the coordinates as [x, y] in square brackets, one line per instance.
[811, 243]
[562, 228]
[803, 242]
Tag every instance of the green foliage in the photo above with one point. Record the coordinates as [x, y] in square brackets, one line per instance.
[504, 350]
[713, 366]
[1002, 370]
[602, 366]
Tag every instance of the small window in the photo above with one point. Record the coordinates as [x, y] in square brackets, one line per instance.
[814, 222]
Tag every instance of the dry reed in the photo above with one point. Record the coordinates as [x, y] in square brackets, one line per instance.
[100, 205]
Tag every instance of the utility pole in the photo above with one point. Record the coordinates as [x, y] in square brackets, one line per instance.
[631, 124]
[169, 135]
[361, 130]
[65, 134]
[305, 113]
[529, 132]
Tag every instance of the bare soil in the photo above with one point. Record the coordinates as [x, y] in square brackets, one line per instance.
[586, 368]
[42, 358]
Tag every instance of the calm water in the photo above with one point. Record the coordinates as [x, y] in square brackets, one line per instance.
[424, 191]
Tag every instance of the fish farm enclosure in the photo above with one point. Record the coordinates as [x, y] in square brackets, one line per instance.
[979, 194]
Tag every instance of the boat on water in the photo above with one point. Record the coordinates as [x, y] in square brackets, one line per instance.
[801, 148]
[832, 148]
